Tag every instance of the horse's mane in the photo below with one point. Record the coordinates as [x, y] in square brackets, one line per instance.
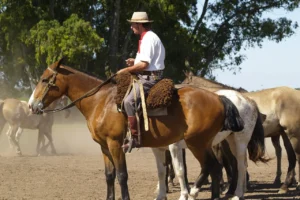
[92, 76]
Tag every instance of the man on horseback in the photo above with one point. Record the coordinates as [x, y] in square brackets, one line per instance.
[148, 65]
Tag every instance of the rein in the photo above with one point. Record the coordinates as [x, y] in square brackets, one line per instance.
[89, 93]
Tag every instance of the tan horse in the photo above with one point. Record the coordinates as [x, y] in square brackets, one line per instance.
[195, 115]
[18, 116]
[281, 106]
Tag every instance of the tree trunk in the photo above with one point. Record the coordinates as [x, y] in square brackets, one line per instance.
[114, 36]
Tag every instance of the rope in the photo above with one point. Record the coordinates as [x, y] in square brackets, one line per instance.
[87, 94]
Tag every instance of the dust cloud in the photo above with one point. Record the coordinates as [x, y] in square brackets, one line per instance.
[70, 136]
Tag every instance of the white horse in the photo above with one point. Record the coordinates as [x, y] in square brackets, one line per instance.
[238, 142]
[18, 116]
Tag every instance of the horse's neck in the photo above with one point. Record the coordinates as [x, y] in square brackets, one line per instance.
[79, 84]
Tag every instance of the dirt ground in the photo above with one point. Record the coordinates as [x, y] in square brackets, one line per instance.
[78, 171]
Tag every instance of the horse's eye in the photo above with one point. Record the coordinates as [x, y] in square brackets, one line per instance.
[44, 80]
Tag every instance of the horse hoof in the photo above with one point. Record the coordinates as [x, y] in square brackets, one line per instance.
[224, 188]
[294, 181]
[234, 198]
[298, 187]
[283, 190]
[164, 198]
[183, 197]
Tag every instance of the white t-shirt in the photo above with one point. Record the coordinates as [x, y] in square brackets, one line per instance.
[152, 51]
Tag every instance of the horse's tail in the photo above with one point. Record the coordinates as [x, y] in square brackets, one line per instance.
[256, 145]
[233, 120]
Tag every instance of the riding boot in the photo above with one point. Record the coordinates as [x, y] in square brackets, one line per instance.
[134, 140]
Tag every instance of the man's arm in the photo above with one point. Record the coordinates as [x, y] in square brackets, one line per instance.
[138, 67]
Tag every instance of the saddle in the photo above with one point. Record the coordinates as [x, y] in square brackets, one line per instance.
[157, 100]
[159, 96]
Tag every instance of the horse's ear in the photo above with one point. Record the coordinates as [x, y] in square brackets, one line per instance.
[58, 63]
[186, 73]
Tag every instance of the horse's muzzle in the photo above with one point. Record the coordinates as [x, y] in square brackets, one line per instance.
[36, 107]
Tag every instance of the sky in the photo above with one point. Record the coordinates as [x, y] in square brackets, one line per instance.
[273, 65]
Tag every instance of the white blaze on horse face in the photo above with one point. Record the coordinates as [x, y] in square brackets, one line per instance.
[31, 99]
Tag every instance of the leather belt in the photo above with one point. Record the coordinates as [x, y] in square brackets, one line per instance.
[150, 73]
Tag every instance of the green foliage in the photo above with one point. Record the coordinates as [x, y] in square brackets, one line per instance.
[75, 39]
[36, 33]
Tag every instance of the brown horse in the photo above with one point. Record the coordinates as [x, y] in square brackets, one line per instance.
[195, 115]
[281, 106]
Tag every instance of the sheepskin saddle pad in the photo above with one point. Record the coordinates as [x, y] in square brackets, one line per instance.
[159, 96]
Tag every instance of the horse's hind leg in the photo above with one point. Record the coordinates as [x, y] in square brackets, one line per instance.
[12, 139]
[230, 165]
[239, 150]
[215, 173]
[296, 146]
[298, 184]
[209, 166]
[200, 180]
[18, 134]
[8, 133]
[292, 163]
[180, 170]
[276, 144]
[170, 174]
[161, 170]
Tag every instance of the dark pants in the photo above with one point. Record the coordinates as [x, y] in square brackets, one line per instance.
[129, 102]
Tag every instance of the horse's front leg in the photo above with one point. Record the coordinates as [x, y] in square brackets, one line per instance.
[41, 140]
[161, 171]
[119, 161]
[110, 174]
[48, 134]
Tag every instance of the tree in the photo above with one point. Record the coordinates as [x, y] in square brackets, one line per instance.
[96, 37]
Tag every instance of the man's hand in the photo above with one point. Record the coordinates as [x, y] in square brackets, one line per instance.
[130, 62]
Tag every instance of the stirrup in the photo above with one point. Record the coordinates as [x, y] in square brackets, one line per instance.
[128, 146]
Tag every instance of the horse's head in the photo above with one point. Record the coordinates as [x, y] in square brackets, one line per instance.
[188, 77]
[50, 87]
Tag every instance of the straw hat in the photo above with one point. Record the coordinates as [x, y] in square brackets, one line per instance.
[139, 17]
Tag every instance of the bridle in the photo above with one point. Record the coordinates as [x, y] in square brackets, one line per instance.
[51, 83]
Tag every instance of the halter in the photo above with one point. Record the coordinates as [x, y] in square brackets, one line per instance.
[51, 83]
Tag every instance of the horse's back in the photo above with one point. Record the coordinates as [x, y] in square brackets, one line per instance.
[16, 112]
[272, 99]
[281, 105]
[12, 110]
